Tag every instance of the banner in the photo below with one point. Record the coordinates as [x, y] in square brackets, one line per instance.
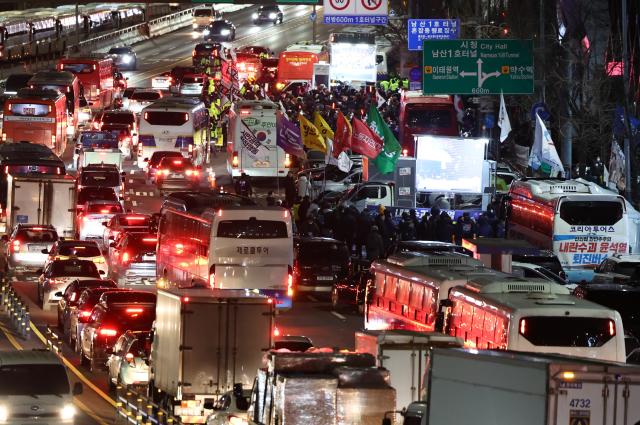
[251, 145]
[311, 137]
[503, 120]
[288, 136]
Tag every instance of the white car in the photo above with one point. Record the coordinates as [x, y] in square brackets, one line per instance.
[231, 408]
[162, 81]
[617, 267]
[141, 98]
[84, 250]
[59, 274]
[191, 85]
[127, 364]
[94, 213]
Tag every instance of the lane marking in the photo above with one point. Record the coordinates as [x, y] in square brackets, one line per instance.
[88, 411]
[338, 315]
[134, 203]
[138, 194]
[11, 338]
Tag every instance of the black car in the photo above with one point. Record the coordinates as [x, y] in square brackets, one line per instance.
[124, 57]
[80, 315]
[271, 13]
[222, 30]
[319, 263]
[426, 247]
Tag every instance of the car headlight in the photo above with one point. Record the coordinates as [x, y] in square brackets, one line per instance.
[4, 413]
[225, 32]
[68, 412]
[206, 32]
[272, 15]
[126, 59]
[254, 16]
[194, 25]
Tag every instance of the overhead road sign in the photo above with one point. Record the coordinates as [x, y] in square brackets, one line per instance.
[356, 12]
[431, 29]
[477, 66]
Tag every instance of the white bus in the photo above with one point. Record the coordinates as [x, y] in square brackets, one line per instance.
[251, 141]
[222, 241]
[581, 222]
[534, 316]
[174, 124]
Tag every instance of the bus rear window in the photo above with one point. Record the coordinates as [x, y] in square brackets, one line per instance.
[428, 118]
[78, 68]
[29, 109]
[562, 331]
[591, 213]
[252, 229]
[166, 118]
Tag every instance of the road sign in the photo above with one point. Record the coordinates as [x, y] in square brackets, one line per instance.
[431, 29]
[540, 109]
[415, 74]
[356, 12]
[313, 16]
[477, 66]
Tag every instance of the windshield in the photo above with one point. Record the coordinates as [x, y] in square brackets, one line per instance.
[191, 80]
[323, 251]
[33, 169]
[76, 268]
[166, 118]
[30, 109]
[203, 12]
[424, 118]
[557, 331]
[37, 235]
[252, 229]
[33, 379]
[80, 251]
[96, 193]
[591, 213]
[145, 95]
[118, 118]
[104, 209]
[100, 178]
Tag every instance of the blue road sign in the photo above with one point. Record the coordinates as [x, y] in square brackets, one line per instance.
[541, 109]
[431, 29]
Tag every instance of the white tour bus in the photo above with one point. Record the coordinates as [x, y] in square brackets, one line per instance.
[222, 241]
[581, 222]
[251, 141]
[174, 124]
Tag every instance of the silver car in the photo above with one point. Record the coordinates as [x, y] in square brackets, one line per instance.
[28, 247]
[128, 364]
[191, 85]
[133, 260]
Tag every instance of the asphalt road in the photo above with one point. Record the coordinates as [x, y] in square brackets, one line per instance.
[310, 316]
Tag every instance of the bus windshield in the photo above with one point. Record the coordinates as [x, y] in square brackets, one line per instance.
[30, 109]
[591, 213]
[166, 118]
[555, 331]
[252, 229]
[428, 118]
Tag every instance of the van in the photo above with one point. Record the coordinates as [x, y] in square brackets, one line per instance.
[34, 387]
[203, 16]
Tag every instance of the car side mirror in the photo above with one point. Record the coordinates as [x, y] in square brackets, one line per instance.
[45, 251]
[77, 388]
[58, 294]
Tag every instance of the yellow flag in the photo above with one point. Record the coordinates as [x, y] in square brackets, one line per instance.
[311, 137]
[321, 124]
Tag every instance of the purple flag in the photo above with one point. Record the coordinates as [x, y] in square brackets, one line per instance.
[289, 138]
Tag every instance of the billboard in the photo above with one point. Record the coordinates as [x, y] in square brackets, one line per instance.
[353, 62]
[449, 164]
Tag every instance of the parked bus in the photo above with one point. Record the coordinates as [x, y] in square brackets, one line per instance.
[581, 222]
[251, 141]
[221, 241]
[67, 84]
[95, 75]
[38, 116]
[174, 124]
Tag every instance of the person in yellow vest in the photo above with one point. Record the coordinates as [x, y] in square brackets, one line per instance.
[211, 87]
[405, 84]
[394, 84]
[384, 84]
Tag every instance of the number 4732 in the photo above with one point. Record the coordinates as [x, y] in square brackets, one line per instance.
[584, 403]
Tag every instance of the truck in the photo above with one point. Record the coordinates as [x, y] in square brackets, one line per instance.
[320, 387]
[98, 147]
[368, 194]
[502, 387]
[43, 199]
[205, 342]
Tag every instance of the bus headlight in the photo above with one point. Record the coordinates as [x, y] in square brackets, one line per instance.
[67, 412]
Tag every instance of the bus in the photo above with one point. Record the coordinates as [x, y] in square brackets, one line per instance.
[221, 241]
[579, 221]
[174, 124]
[38, 116]
[66, 83]
[534, 317]
[95, 75]
[251, 141]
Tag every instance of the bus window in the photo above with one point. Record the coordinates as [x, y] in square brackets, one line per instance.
[166, 118]
[29, 109]
[556, 331]
[78, 68]
[252, 229]
[380, 283]
[390, 288]
[404, 287]
[591, 213]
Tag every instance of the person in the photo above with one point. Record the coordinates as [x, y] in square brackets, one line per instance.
[309, 227]
[289, 190]
[375, 244]
[303, 186]
[465, 228]
[445, 230]
[303, 209]
[485, 229]
[414, 217]
[271, 200]
[390, 229]
[349, 224]
[434, 222]
[243, 185]
[379, 221]
[363, 227]
[422, 229]
[407, 228]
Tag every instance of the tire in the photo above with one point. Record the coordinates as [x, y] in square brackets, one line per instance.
[84, 361]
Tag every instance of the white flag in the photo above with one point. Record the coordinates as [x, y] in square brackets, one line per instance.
[616, 176]
[503, 120]
[344, 162]
[328, 157]
[381, 100]
[544, 156]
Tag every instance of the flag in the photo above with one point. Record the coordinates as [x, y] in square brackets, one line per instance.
[325, 130]
[342, 140]
[288, 136]
[311, 137]
[459, 107]
[381, 100]
[503, 120]
[616, 167]
[544, 156]
[364, 140]
[344, 162]
[386, 160]
[328, 156]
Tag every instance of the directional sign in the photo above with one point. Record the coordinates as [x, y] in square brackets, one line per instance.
[355, 12]
[431, 29]
[477, 66]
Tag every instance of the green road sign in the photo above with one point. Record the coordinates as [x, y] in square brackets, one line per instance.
[477, 66]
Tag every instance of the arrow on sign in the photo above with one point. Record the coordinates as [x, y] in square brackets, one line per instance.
[468, 74]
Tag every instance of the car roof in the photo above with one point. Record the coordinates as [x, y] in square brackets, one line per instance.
[72, 261]
[75, 242]
[316, 239]
[128, 297]
[26, 357]
[627, 258]
[623, 288]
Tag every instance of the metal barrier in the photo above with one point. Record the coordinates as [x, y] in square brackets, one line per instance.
[16, 309]
[136, 408]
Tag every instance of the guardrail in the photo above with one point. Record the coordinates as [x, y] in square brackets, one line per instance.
[16, 309]
[136, 408]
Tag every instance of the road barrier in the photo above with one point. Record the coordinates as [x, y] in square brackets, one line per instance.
[136, 408]
[16, 309]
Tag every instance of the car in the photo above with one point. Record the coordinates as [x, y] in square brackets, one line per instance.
[177, 72]
[534, 271]
[268, 13]
[24, 249]
[128, 364]
[176, 174]
[319, 263]
[258, 51]
[292, 343]
[141, 98]
[126, 95]
[125, 223]
[426, 247]
[192, 84]
[101, 175]
[162, 81]
[115, 313]
[79, 316]
[70, 248]
[133, 259]
[115, 117]
[544, 258]
[220, 30]
[617, 267]
[152, 163]
[103, 142]
[335, 181]
[71, 296]
[87, 194]
[204, 50]
[94, 213]
[58, 274]
[230, 408]
[127, 140]
[124, 57]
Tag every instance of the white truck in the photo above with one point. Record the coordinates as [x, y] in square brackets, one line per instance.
[98, 147]
[469, 387]
[369, 193]
[205, 341]
[319, 387]
[46, 199]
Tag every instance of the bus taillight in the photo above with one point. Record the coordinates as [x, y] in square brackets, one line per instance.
[53, 141]
[4, 137]
[612, 328]
[234, 162]
[287, 160]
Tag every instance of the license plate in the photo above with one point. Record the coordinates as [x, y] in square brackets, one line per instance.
[177, 175]
[36, 248]
[261, 164]
[148, 258]
[29, 111]
[324, 278]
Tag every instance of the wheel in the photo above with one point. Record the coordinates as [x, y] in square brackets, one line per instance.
[84, 361]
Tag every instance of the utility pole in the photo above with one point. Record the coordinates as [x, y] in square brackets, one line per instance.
[541, 45]
[77, 24]
[625, 80]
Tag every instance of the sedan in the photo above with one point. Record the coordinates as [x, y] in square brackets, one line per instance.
[124, 57]
[119, 223]
[162, 81]
[319, 263]
[269, 13]
[177, 174]
[25, 249]
[133, 259]
[221, 30]
[80, 315]
[128, 364]
[58, 274]
[191, 85]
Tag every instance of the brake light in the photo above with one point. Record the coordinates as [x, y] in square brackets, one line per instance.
[85, 313]
[287, 160]
[104, 211]
[612, 328]
[177, 161]
[146, 115]
[150, 239]
[290, 285]
[276, 332]
[186, 117]
[193, 54]
[191, 172]
[164, 171]
[125, 257]
[97, 124]
[107, 332]
[15, 246]
[133, 217]
[245, 111]
[58, 171]
[235, 161]
[185, 299]
[134, 310]
[179, 248]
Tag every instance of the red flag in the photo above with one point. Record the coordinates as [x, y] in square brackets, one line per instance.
[343, 134]
[364, 140]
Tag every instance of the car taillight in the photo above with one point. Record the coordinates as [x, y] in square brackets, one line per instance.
[287, 160]
[191, 173]
[125, 258]
[235, 161]
[164, 171]
[523, 326]
[612, 328]
[276, 332]
[56, 281]
[83, 316]
[15, 246]
[107, 332]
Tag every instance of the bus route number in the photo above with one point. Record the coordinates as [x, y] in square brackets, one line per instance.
[583, 403]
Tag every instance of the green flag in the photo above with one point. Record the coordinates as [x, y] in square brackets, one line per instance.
[387, 158]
